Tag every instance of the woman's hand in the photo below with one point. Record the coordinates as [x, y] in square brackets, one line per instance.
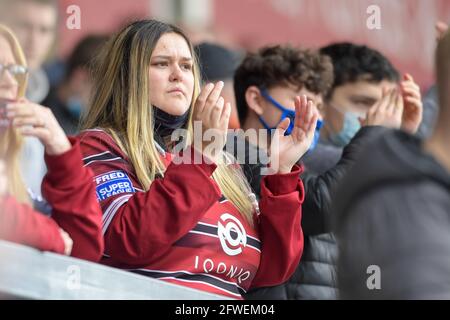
[35, 120]
[68, 242]
[214, 115]
[285, 151]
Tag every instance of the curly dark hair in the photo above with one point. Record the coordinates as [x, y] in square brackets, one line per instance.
[352, 62]
[282, 65]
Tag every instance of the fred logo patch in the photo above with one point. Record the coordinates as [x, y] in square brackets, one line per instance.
[111, 184]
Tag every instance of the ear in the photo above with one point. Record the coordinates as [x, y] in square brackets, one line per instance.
[253, 98]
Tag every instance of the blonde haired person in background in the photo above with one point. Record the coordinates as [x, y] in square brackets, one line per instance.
[67, 186]
[34, 22]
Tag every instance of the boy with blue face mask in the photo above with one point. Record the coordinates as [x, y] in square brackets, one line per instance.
[266, 84]
[267, 98]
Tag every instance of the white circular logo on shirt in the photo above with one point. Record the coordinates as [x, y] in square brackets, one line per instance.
[232, 244]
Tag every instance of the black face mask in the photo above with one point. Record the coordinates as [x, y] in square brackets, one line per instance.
[166, 123]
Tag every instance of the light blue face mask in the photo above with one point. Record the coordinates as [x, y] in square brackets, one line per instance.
[287, 113]
[350, 127]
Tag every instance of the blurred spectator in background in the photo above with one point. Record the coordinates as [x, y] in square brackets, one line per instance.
[69, 99]
[218, 63]
[34, 22]
[360, 74]
[68, 186]
[393, 213]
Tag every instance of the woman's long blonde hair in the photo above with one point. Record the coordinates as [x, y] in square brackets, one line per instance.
[10, 140]
[121, 106]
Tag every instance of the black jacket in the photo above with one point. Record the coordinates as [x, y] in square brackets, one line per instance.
[393, 212]
[315, 278]
[324, 157]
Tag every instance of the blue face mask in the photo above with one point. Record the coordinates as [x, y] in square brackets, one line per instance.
[287, 113]
[350, 127]
[316, 135]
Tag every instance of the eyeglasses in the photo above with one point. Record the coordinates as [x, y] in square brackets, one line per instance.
[14, 69]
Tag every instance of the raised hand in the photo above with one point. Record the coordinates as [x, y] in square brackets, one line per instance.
[387, 112]
[214, 115]
[441, 29]
[285, 151]
[413, 107]
[35, 120]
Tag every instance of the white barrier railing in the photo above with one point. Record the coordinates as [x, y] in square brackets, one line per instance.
[26, 273]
